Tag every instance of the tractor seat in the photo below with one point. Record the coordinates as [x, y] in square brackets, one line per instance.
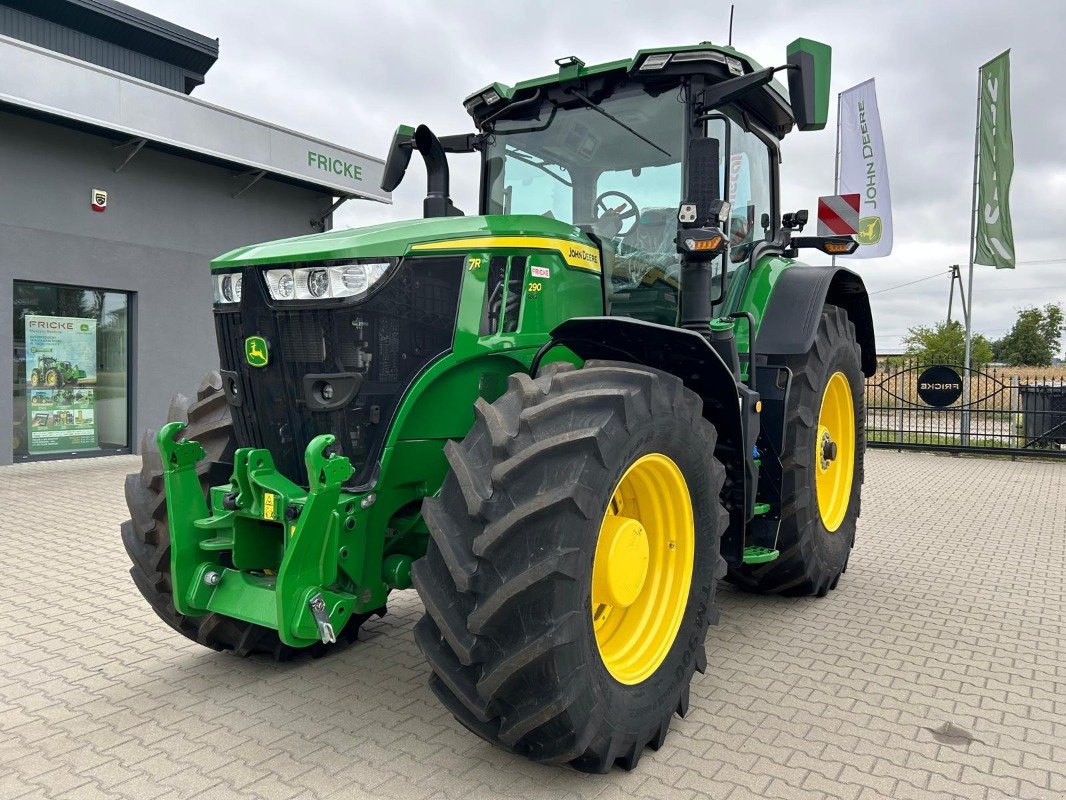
[649, 247]
[654, 232]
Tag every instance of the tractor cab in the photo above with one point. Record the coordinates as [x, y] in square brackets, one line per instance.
[610, 150]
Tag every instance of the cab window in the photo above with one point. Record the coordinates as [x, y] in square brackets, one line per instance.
[747, 185]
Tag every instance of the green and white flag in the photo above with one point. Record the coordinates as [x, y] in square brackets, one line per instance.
[864, 168]
[995, 236]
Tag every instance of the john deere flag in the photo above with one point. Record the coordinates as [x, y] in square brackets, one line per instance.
[995, 236]
[864, 169]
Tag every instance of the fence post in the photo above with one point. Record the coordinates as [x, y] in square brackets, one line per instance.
[1015, 410]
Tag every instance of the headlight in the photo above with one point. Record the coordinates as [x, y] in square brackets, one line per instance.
[280, 284]
[320, 283]
[227, 288]
[654, 61]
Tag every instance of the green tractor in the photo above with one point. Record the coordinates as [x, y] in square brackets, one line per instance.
[563, 421]
[51, 373]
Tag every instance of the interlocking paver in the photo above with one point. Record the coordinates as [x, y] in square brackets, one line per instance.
[953, 610]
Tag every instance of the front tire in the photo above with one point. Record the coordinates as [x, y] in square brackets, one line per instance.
[825, 441]
[519, 570]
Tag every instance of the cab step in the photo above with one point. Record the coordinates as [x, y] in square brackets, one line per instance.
[759, 555]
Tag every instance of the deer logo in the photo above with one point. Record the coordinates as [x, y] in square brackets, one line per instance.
[869, 230]
[256, 352]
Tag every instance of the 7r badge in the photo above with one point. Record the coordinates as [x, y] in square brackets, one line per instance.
[256, 352]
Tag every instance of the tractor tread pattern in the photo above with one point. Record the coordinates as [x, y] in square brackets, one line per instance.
[798, 570]
[482, 577]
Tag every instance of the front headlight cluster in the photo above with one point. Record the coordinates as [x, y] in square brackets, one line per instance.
[227, 287]
[321, 283]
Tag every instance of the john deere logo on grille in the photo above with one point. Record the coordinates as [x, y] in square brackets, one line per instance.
[256, 352]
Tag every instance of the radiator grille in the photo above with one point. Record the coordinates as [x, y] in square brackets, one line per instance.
[386, 340]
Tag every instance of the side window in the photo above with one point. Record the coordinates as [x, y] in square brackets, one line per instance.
[747, 181]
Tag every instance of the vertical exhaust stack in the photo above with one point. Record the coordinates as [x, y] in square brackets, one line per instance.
[438, 202]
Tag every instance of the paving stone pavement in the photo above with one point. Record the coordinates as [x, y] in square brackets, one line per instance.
[951, 613]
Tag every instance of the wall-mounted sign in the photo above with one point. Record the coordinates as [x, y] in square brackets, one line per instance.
[939, 386]
[98, 200]
[61, 378]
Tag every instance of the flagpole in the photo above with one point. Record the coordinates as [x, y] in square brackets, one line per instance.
[836, 166]
[968, 307]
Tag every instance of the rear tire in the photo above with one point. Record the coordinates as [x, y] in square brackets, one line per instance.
[146, 535]
[812, 556]
[507, 578]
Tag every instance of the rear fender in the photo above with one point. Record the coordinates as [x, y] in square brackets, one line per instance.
[689, 356]
[791, 319]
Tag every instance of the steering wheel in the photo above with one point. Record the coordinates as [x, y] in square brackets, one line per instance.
[627, 210]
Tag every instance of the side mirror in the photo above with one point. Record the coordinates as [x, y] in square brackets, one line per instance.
[399, 157]
[809, 65]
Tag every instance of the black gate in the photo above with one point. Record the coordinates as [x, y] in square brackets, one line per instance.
[918, 406]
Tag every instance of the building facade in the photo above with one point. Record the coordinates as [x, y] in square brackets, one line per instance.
[118, 189]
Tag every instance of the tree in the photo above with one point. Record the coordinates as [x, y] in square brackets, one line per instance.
[1033, 341]
[945, 343]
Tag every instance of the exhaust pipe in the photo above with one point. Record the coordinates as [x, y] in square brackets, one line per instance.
[438, 203]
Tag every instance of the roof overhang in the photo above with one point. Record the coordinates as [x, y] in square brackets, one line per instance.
[43, 82]
[713, 62]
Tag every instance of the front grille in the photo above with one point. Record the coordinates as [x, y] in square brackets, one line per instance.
[386, 339]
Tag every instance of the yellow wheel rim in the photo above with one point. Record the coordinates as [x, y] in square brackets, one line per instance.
[834, 451]
[642, 570]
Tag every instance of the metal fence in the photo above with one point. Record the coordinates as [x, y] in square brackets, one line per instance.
[921, 406]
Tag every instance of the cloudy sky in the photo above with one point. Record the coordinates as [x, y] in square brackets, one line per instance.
[349, 72]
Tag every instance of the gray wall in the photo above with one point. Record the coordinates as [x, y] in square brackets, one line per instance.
[167, 216]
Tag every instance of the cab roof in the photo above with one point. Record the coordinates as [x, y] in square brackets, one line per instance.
[717, 62]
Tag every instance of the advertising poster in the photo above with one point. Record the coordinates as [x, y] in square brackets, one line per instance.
[60, 380]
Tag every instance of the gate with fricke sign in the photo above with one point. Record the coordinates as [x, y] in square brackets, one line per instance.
[912, 405]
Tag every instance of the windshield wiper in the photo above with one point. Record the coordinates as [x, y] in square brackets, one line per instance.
[526, 158]
[617, 121]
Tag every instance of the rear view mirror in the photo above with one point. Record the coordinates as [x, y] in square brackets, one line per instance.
[399, 157]
[809, 64]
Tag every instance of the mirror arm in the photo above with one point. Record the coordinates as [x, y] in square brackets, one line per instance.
[461, 143]
[727, 91]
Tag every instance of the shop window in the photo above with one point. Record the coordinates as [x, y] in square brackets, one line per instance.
[71, 370]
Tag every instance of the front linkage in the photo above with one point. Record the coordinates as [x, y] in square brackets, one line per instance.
[268, 551]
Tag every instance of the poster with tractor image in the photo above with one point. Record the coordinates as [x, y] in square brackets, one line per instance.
[60, 383]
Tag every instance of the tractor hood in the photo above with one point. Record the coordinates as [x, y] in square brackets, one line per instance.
[394, 239]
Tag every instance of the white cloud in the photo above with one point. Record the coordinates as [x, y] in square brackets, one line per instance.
[351, 72]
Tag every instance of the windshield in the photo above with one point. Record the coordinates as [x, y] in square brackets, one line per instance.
[616, 171]
[560, 161]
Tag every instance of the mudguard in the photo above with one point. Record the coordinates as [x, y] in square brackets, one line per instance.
[689, 356]
[791, 319]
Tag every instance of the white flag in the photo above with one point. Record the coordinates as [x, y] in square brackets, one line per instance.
[864, 169]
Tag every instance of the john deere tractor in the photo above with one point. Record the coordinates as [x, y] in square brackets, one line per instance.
[53, 374]
[563, 420]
